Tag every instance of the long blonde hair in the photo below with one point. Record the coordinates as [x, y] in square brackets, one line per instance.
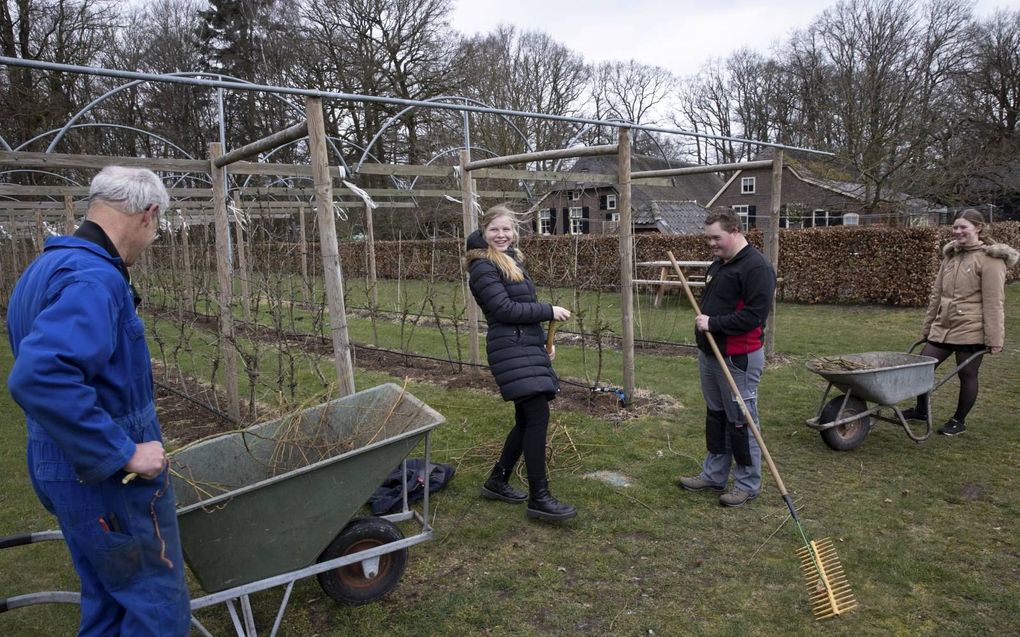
[510, 268]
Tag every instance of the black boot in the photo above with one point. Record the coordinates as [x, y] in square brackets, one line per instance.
[544, 506]
[497, 487]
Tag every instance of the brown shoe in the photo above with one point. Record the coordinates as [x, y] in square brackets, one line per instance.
[697, 484]
[736, 498]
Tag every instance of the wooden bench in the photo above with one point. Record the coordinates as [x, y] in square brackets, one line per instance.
[668, 278]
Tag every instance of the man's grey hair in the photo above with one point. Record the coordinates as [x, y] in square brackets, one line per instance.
[130, 190]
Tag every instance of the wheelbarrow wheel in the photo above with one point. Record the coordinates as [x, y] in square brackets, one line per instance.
[848, 436]
[351, 584]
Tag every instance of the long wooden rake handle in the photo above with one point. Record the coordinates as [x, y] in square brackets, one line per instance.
[830, 593]
[736, 392]
[549, 344]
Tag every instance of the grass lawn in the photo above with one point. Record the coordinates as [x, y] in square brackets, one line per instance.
[925, 532]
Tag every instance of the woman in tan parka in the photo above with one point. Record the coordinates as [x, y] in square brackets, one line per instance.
[965, 312]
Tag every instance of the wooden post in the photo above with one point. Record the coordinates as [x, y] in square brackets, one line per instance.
[189, 278]
[242, 263]
[771, 244]
[373, 291]
[227, 346]
[68, 214]
[470, 220]
[332, 272]
[40, 231]
[303, 254]
[626, 265]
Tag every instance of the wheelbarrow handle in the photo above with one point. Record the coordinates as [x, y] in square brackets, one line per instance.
[910, 350]
[956, 370]
[22, 539]
[736, 392]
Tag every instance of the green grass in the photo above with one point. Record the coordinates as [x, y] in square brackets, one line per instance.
[926, 532]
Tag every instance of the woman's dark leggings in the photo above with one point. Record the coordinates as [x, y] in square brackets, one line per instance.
[531, 415]
[968, 379]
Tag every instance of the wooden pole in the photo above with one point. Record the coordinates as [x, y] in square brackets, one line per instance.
[287, 135]
[227, 346]
[559, 153]
[242, 262]
[470, 221]
[771, 245]
[373, 290]
[40, 231]
[303, 254]
[626, 265]
[332, 272]
[189, 277]
[68, 214]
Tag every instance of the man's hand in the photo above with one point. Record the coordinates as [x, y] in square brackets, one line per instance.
[148, 460]
[701, 322]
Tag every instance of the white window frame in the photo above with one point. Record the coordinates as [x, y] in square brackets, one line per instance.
[544, 222]
[611, 203]
[744, 212]
[574, 195]
[851, 219]
[814, 218]
[576, 217]
[748, 185]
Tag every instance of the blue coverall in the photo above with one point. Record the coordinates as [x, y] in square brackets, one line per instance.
[83, 377]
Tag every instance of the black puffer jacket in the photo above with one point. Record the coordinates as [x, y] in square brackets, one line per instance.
[515, 342]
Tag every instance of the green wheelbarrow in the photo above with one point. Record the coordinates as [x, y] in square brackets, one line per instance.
[275, 503]
[883, 378]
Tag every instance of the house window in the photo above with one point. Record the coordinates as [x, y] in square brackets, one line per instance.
[611, 204]
[742, 212]
[574, 195]
[544, 222]
[851, 219]
[576, 220]
[747, 185]
[820, 218]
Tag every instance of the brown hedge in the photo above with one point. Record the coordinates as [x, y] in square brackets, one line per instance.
[868, 265]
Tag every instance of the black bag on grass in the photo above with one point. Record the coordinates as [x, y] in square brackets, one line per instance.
[388, 497]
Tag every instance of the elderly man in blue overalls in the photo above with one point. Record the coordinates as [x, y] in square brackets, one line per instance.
[82, 375]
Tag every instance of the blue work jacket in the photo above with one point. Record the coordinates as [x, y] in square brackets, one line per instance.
[82, 372]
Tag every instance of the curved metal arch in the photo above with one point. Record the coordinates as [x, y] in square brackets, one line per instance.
[4, 144]
[133, 83]
[329, 140]
[41, 172]
[527, 188]
[102, 125]
[443, 99]
[587, 127]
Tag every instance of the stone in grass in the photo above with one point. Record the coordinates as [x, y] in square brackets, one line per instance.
[612, 478]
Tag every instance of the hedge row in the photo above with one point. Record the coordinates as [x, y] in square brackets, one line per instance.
[867, 265]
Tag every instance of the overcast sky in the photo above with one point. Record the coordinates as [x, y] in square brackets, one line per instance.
[680, 35]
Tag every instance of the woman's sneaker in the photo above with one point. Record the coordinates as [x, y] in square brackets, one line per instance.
[953, 428]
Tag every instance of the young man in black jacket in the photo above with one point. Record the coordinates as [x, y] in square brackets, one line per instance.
[739, 287]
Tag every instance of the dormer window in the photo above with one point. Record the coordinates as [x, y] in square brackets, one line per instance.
[574, 195]
[747, 185]
[610, 202]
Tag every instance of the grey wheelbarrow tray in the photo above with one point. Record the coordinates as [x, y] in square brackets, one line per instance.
[883, 378]
[257, 508]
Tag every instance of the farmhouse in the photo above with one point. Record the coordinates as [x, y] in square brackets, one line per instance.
[809, 200]
[592, 208]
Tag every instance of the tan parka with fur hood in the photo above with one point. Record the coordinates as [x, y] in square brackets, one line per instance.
[965, 307]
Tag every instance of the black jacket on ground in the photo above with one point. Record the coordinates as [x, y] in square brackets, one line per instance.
[737, 297]
[515, 342]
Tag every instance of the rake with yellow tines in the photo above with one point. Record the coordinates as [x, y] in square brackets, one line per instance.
[827, 586]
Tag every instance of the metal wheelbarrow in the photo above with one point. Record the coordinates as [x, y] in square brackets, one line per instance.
[273, 504]
[884, 378]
